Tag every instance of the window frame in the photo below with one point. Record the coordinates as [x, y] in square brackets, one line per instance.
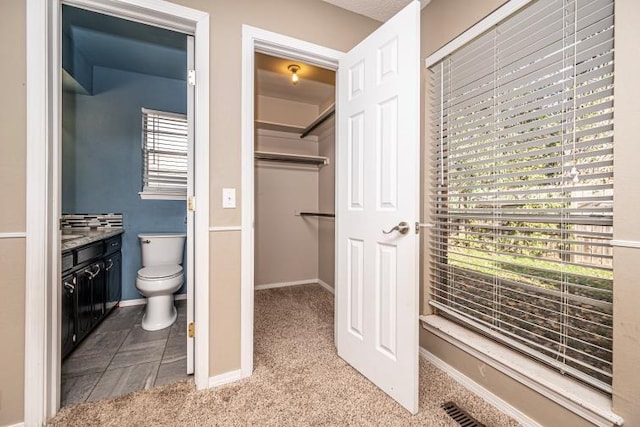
[150, 193]
[482, 27]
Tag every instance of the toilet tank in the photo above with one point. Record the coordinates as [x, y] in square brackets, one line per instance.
[162, 248]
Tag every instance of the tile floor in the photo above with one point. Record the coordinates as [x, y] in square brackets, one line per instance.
[119, 357]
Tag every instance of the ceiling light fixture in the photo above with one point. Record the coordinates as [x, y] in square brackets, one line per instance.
[294, 73]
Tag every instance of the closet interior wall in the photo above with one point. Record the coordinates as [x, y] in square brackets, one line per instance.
[289, 248]
[326, 203]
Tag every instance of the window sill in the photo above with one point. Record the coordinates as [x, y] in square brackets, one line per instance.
[161, 196]
[566, 392]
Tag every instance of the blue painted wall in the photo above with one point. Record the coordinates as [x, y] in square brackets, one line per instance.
[76, 64]
[101, 157]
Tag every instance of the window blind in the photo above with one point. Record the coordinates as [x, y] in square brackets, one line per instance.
[522, 187]
[164, 152]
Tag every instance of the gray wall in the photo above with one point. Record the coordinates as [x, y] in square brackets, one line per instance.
[102, 158]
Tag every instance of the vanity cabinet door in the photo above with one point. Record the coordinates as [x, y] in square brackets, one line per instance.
[84, 302]
[98, 288]
[68, 335]
[113, 278]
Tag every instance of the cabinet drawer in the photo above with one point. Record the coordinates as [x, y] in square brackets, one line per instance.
[67, 261]
[112, 245]
[88, 253]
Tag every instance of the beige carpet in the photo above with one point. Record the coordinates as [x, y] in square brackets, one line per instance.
[298, 380]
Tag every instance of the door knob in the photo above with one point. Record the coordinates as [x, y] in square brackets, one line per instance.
[402, 228]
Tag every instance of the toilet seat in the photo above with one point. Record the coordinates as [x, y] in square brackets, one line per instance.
[160, 272]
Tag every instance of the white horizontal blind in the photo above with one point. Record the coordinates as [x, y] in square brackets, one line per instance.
[164, 152]
[523, 185]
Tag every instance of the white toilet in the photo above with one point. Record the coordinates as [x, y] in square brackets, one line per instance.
[160, 277]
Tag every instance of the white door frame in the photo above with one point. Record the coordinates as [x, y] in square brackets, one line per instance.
[262, 41]
[42, 294]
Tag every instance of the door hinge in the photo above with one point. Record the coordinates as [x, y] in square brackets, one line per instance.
[191, 330]
[191, 204]
[191, 77]
[423, 225]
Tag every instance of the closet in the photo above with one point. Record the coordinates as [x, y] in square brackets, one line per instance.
[294, 174]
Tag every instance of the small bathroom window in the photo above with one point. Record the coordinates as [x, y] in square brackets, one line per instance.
[164, 155]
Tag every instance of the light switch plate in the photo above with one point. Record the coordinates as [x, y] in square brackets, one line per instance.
[228, 198]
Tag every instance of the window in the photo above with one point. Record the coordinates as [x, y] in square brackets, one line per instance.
[523, 186]
[164, 155]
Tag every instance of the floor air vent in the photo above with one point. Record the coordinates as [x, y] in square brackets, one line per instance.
[460, 416]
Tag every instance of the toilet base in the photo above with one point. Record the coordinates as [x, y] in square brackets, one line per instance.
[159, 313]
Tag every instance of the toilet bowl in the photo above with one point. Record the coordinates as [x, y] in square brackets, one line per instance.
[160, 277]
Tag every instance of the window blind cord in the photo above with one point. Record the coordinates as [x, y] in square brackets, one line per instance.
[562, 351]
[442, 121]
[496, 282]
[574, 170]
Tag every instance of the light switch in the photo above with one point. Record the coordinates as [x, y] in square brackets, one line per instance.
[228, 198]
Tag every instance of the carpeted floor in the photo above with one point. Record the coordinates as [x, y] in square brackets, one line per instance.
[298, 380]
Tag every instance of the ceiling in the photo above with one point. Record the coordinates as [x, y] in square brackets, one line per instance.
[112, 42]
[117, 43]
[380, 10]
[316, 85]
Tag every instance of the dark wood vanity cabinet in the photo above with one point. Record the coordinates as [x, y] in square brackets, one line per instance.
[113, 272]
[68, 332]
[113, 280]
[84, 315]
[91, 288]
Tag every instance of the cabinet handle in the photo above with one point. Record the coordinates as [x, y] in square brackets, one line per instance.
[114, 244]
[92, 274]
[70, 287]
[109, 266]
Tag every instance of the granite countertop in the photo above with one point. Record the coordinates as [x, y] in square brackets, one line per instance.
[86, 236]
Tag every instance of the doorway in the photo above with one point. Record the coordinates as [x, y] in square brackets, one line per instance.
[377, 198]
[44, 50]
[126, 169]
[294, 194]
[257, 41]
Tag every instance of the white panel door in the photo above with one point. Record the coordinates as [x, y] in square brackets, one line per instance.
[190, 214]
[378, 174]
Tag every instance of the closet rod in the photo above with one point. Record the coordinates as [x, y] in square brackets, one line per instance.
[322, 214]
[317, 122]
[291, 158]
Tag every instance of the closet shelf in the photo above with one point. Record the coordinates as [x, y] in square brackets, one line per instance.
[326, 115]
[320, 214]
[303, 131]
[291, 158]
[280, 127]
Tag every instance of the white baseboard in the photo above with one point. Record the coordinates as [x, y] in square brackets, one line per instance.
[15, 425]
[132, 302]
[478, 389]
[326, 286]
[296, 283]
[286, 284]
[143, 301]
[226, 378]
